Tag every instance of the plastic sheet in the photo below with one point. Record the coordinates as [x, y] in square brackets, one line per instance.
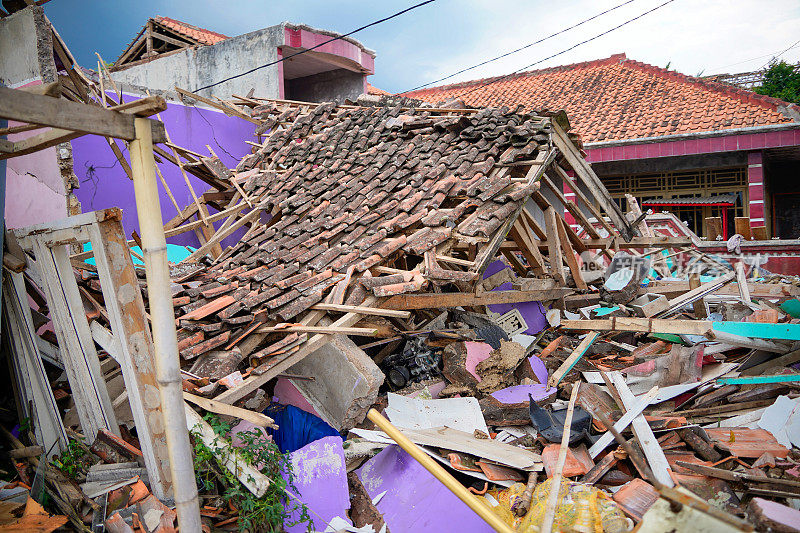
[296, 428]
[581, 509]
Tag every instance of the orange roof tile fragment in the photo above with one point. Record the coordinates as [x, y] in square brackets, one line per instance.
[618, 98]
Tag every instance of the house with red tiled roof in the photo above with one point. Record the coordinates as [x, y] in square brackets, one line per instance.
[673, 141]
[168, 53]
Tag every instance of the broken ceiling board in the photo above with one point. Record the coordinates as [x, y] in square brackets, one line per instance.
[463, 414]
[460, 441]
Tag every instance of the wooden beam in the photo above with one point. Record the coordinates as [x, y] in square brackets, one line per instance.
[313, 344]
[361, 310]
[63, 114]
[554, 245]
[573, 358]
[456, 299]
[590, 179]
[324, 330]
[569, 254]
[217, 105]
[587, 203]
[641, 325]
[529, 250]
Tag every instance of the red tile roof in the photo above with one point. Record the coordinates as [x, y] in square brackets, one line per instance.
[201, 35]
[379, 92]
[618, 98]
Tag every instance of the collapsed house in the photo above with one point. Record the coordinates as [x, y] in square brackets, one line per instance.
[372, 257]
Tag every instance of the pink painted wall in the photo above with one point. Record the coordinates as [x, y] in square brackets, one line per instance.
[300, 38]
[34, 186]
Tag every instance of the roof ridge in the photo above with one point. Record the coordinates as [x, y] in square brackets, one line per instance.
[159, 18]
[742, 94]
[584, 64]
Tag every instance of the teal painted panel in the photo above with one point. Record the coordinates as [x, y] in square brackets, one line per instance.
[755, 380]
[789, 332]
[791, 307]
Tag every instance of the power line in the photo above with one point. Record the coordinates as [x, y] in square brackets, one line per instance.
[779, 55]
[522, 47]
[495, 80]
[314, 47]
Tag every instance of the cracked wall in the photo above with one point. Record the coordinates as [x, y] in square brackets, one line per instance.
[38, 185]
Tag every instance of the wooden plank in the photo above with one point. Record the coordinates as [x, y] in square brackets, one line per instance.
[325, 330]
[313, 344]
[216, 105]
[643, 325]
[29, 145]
[587, 176]
[552, 500]
[587, 203]
[33, 386]
[59, 113]
[695, 294]
[490, 250]
[461, 441]
[136, 355]
[214, 406]
[361, 310]
[456, 299]
[638, 242]
[77, 349]
[741, 282]
[573, 358]
[529, 250]
[779, 362]
[748, 342]
[222, 233]
[608, 437]
[554, 246]
[228, 456]
[641, 429]
[569, 255]
[757, 290]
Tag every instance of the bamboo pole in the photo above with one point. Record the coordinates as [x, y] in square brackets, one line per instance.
[439, 473]
[555, 482]
[154, 249]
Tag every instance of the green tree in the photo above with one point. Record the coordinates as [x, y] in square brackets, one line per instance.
[781, 80]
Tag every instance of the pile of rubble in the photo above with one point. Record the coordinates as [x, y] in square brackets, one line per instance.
[416, 262]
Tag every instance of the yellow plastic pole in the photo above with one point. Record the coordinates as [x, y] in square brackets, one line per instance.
[440, 473]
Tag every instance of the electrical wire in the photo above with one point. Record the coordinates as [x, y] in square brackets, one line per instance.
[495, 80]
[415, 6]
[522, 47]
[765, 65]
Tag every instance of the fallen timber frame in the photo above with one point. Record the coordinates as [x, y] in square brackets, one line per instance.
[142, 132]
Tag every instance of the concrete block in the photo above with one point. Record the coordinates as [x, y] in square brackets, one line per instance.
[346, 384]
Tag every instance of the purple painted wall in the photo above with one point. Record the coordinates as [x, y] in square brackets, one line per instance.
[103, 183]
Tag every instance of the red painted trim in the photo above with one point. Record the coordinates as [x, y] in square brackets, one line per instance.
[281, 82]
[689, 146]
[300, 38]
[675, 204]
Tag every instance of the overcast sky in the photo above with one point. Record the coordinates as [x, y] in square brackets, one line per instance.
[433, 41]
